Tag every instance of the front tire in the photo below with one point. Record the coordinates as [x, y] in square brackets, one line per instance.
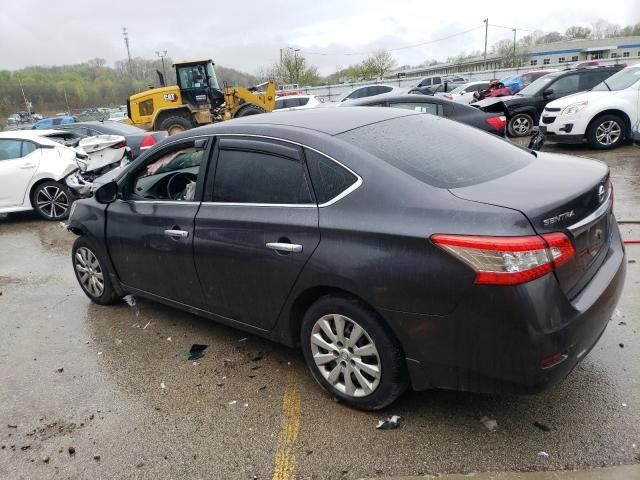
[520, 125]
[352, 354]
[92, 272]
[52, 200]
[606, 132]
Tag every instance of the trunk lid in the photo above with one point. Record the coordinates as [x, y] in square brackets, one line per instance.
[558, 193]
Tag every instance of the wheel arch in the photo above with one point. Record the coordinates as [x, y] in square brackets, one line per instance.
[36, 184]
[177, 111]
[308, 297]
[612, 111]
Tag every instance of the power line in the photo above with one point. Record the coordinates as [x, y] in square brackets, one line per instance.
[400, 48]
[520, 29]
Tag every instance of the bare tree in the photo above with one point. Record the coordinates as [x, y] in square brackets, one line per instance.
[380, 62]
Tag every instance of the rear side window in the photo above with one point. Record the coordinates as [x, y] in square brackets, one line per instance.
[588, 80]
[253, 177]
[565, 85]
[329, 179]
[429, 149]
[420, 107]
[10, 149]
[27, 148]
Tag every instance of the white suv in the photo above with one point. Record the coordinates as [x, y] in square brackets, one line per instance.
[604, 116]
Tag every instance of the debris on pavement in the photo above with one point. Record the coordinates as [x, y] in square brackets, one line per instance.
[542, 426]
[132, 302]
[168, 339]
[622, 323]
[162, 385]
[243, 339]
[60, 370]
[543, 455]
[232, 402]
[256, 357]
[490, 423]
[621, 345]
[197, 351]
[96, 458]
[9, 425]
[389, 423]
[617, 313]
[148, 323]
[45, 459]
[72, 451]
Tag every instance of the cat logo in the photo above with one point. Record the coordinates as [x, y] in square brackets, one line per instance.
[170, 97]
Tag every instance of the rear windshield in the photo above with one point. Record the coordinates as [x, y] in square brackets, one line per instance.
[439, 152]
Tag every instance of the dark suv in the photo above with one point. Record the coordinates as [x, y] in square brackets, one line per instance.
[523, 110]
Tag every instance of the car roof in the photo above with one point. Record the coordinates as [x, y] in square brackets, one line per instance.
[299, 95]
[413, 98]
[38, 136]
[330, 120]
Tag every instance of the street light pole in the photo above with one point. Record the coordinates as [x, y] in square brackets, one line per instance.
[514, 47]
[486, 34]
[162, 55]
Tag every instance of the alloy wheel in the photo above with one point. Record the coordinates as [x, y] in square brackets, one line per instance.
[90, 272]
[608, 133]
[52, 201]
[521, 125]
[345, 355]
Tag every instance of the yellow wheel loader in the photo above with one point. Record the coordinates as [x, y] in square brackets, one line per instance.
[196, 100]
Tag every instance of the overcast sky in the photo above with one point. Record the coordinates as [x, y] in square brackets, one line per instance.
[247, 34]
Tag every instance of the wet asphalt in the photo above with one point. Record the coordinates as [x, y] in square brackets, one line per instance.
[109, 392]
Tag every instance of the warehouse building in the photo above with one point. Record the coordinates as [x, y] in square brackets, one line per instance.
[564, 53]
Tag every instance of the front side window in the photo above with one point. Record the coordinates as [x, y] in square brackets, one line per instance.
[10, 149]
[565, 85]
[192, 76]
[256, 177]
[172, 176]
[425, 83]
[619, 81]
[421, 107]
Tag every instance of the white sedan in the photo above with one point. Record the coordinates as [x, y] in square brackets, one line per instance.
[32, 174]
[295, 102]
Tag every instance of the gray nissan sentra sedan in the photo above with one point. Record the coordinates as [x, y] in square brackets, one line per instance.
[394, 248]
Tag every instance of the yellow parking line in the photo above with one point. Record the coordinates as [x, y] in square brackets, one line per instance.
[285, 462]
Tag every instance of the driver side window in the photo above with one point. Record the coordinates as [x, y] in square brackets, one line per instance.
[170, 176]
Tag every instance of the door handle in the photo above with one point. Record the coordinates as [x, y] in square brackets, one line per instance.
[285, 247]
[176, 233]
[27, 166]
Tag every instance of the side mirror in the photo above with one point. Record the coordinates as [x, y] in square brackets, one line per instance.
[547, 92]
[106, 193]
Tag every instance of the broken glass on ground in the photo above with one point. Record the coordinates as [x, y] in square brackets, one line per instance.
[197, 351]
[389, 423]
[131, 301]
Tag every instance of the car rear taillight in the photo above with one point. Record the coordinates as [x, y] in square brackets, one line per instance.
[121, 144]
[508, 260]
[447, 96]
[497, 123]
[147, 142]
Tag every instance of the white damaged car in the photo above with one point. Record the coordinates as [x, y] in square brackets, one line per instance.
[38, 171]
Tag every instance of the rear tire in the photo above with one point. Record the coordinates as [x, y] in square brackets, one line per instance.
[520, 125]
[247, 110]
[606, 132]
[92, 272]
[175, 125]
[52, 200]
[352, 354]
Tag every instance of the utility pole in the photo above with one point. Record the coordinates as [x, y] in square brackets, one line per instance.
[486, 34]
[295, 57]
[66, 100]
[164, 72]
[126, 42]
[514, 47]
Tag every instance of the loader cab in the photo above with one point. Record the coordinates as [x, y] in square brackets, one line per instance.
[198, 84]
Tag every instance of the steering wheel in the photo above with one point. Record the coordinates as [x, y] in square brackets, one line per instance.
[186, 178]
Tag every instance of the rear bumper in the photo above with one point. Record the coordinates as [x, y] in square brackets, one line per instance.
[496, 339]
